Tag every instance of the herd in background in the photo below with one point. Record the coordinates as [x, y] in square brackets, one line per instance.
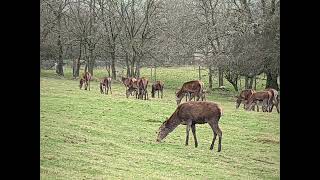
[138, 87]
[191, 112]
[267, 99]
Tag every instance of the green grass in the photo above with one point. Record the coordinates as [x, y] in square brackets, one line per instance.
[86, 135]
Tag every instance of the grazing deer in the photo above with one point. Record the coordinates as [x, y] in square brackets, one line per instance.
[130, 84]
[275, 99]
[263, 98]
[85, 79]
[133, 87]
[243, 97]
[105, 85]
[192, 113]
[143, 88]
[193, 87]
[157, 86]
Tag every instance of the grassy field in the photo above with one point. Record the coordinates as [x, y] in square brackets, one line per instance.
[87, 135]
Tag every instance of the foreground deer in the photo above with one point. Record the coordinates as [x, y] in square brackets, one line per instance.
[193, 87]
[275, 99]
[243, 97]
[157, 86]
[105, 85]
[192, 113]
[263, 98]
[85, 79]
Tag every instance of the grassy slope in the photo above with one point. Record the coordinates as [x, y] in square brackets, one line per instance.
[86, 135]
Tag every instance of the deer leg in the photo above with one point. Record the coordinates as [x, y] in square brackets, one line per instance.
[220, 137]
[187, 132]
[127, 93]
[198, 97]
[278, 107]
[214, 134]
[193, 128]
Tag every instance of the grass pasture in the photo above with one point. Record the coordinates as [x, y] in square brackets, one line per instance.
[87, 135]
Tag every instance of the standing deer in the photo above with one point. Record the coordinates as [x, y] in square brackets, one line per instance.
[275, 99]
[143, 88]
[157, 86]
[105, 85]
[85, 79]
[192, 113]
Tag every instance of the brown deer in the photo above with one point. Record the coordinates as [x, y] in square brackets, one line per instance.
[157, 86]
[243, 97]
[133, 87]
[130, 85]
[263, 98]
[85, 79]
[143, 88]
[275, 99]
[193, 87]
[126, 81]
[105, 85]
[192, 113]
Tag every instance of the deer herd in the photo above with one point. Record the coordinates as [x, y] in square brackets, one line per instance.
[191, 112]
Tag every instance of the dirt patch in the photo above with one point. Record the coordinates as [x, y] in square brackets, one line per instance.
[268, 140]
[153, 121]
[73, 139]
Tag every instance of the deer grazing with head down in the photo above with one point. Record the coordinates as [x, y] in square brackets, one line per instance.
[191, 113]
[192, 88]
[243, 97]
[262, 98]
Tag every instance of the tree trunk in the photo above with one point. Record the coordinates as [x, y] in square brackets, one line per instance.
[132, 66]
[86, 67]
[74, 66]
[59, 69]
[155, 73]
[137, 74]
[91, 61]
[246, 84]
[128, 66]
[272, 81]
[108, 67]
[113, 68]
[235, 86]
[220, 77]
[77, 69]
[255, 83]
[210, 77]
[199, 73]
[250, 83]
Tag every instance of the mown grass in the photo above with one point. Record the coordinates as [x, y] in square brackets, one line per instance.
[87, 135]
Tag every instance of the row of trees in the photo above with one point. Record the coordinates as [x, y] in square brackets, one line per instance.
[238, 38]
